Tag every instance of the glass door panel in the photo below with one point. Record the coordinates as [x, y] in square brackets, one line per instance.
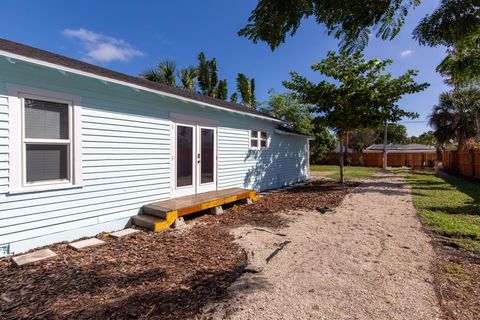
[207, 155]
[184, 156]
[194, 159]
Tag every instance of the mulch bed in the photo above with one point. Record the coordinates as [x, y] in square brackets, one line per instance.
[168, 275]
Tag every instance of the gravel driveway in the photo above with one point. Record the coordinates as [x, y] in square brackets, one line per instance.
[367, 259]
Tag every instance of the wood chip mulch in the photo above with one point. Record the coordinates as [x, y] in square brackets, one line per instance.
[168, 275]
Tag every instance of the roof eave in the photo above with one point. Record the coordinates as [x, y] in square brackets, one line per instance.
[9, 55]
[294, 134]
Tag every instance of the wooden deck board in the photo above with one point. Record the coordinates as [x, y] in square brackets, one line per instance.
[192, 203]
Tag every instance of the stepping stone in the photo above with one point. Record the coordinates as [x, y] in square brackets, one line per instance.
[33, 257]
[79, 245]
[123, 233]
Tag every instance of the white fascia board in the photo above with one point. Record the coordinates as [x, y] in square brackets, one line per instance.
[9, 55]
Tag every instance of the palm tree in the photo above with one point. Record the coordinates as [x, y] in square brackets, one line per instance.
[246, 88]
[208, 78]
[187, 78]
[234, 97]
[222, 90]
[455, 117]
[207, 75]
[164, 73]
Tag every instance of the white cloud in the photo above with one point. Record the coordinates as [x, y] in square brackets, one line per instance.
[406, 53]
[102, 48]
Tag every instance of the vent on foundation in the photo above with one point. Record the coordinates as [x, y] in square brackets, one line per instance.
[4, 249]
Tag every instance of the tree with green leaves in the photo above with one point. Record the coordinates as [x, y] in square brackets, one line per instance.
[297, 116]
[286, 107]
[427, 138]
[360, 95]
[222, 90]
[359, 139]
[163, 73]
[234, 97]
[207, 75]
[455, 24]
[324, 141]
[188, 77]
[351, 21]
[396, 133]
[246, 88]
[208, 80]
[456, 117]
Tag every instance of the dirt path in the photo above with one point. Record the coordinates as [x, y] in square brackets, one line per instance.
[368, 259]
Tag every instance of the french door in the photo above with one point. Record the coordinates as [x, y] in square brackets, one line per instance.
[194, 159]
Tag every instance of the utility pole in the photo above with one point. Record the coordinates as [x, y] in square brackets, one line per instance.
[385, 147]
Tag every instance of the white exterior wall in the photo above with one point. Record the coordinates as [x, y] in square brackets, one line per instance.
[126, 159]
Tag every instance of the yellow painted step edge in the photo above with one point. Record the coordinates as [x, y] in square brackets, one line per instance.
[254, 196]
[169, 220]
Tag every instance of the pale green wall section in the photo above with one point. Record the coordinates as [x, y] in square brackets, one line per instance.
[126, 158]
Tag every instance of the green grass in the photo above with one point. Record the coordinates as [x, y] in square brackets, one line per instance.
[451, 205]
[350, 172]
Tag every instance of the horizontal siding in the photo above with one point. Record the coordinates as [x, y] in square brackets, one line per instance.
[283, 162]
[126, 164]
[3, 145]
[126, 159]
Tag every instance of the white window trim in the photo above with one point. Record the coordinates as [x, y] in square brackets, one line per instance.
[17, 177]
[258, 138]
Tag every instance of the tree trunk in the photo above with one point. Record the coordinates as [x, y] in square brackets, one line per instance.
[439, 153]
[385, 140]
[461, 144]
[342, 157]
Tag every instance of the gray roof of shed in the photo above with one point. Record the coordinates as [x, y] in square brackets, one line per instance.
[53, 58]
[412, 147]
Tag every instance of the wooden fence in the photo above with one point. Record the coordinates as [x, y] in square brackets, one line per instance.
[465, 162]
[417, 160]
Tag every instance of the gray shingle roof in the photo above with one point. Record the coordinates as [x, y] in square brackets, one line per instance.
[413, 147]
[46, 56]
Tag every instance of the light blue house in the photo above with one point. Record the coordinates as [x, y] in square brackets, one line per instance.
[83, 148]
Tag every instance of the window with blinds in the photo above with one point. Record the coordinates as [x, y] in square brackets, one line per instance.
[46, 141]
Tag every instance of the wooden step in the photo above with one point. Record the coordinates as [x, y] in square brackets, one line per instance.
[154, 223]
[155, 210]
[149, 222]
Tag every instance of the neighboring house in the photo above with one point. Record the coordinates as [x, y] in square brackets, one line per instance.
[83, 148]
[409, 155]
[401, 148]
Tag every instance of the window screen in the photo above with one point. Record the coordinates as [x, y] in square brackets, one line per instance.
[46, 162]
[47, 141]
[46, 120]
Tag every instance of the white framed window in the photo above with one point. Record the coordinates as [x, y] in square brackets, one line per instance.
[258, 139]
[45, 140]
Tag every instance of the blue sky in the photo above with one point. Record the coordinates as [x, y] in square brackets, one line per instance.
[131, 36]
